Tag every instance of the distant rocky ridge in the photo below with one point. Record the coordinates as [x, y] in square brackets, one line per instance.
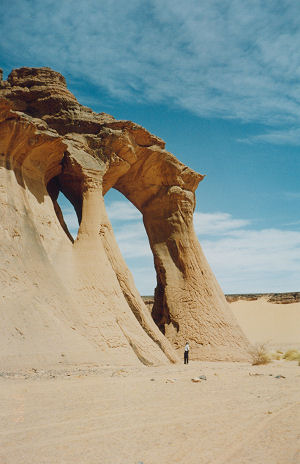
[276, 298]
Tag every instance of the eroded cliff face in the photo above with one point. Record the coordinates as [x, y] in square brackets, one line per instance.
[78, 296]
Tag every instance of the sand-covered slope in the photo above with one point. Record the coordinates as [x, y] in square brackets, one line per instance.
[274, 324]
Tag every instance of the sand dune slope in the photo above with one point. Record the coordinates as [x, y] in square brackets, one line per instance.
[273, 324]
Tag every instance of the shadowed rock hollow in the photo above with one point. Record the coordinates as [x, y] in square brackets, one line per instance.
[75, 301]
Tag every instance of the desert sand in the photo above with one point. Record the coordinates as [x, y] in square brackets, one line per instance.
[241, 414]
[276, 325]
[128, 415]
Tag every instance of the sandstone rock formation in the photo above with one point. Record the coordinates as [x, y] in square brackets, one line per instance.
[76, 300]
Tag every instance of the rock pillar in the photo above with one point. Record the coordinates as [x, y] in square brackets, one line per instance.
[189, 304]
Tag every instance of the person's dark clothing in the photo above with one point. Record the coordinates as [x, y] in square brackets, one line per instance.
[186, 353]
[186, 357]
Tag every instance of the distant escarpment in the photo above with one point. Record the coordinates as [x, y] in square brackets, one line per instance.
[66, 300]
[276, 298]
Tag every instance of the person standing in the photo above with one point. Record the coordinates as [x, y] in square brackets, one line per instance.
[186, 353]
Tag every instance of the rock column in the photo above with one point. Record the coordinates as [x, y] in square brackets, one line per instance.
[189, 304]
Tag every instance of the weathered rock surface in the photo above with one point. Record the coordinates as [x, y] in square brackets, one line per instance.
[76, 300]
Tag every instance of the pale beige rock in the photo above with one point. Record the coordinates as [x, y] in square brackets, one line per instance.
[78, 299]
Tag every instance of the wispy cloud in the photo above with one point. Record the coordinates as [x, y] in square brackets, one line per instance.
[232, 59]
[243, 258]
[278, 137]
[217, 223]
[294, 223]
[132, 240]
[292, 195]
[129, 229]
[256, 260]
[123, 211]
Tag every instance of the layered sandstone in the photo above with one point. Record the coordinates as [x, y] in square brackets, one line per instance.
[78, 296]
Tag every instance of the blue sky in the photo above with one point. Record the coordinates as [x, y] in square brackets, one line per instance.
[219, 81]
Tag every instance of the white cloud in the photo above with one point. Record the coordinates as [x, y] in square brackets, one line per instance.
[292, 195]
[216, 223]
[278, 137]
[294, 223]
[129, 229]
[256, 260]
[123, 211]
[132, 240]
[231, 59]
[244, 259]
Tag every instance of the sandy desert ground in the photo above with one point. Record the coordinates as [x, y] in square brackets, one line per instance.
[276, 325]
[240, 414]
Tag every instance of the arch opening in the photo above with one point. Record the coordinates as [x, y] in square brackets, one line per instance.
[69, 215]
[129, 230]
[64, 210]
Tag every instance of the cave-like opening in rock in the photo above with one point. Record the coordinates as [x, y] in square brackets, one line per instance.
[129, 230]
[64, 209]
[69, 215]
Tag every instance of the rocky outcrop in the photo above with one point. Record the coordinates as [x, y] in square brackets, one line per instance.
[276, 298]
[79, 295]
[284, 298]
[246, 297]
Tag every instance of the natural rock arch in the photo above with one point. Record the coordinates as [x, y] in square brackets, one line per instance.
[51, 143]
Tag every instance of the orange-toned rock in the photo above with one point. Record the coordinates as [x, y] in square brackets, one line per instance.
[78, 298]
